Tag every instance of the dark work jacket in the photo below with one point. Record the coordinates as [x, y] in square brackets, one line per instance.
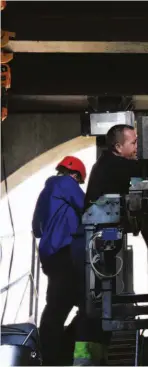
[112, 174]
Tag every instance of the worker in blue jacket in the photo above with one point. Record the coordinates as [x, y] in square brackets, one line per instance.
[56, 218]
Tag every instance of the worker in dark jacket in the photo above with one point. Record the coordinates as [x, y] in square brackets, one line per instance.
[115, 167]
[56, 219]
[113, 171]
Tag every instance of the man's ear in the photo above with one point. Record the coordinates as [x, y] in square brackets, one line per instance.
[118, 147]
[74, 175]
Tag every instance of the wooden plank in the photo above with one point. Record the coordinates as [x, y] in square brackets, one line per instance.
[79, 47]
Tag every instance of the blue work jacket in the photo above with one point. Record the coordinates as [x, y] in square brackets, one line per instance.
[57, 214]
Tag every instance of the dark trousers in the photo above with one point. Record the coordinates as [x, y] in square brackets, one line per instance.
[57, 345]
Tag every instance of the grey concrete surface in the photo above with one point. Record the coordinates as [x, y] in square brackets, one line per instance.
[26, 136]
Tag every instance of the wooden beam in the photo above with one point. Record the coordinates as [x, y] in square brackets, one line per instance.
[78, 47]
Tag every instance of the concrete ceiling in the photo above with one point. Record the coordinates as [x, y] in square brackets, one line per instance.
[77, 21]
[75, 103]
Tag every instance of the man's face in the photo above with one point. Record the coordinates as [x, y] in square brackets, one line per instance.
[128, 149]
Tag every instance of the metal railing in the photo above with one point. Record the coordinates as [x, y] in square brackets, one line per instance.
[33, 276]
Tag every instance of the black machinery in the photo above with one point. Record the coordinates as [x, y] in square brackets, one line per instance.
[105, 227]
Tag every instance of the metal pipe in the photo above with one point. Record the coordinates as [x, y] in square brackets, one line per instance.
[28, 336]
[137, 348]
[37, 288]
[32, 273]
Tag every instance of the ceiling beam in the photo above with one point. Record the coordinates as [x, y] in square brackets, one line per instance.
[78, 47]
[72, 103]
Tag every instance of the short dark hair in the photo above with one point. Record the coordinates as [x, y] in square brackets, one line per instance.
[116, 135]
[65, 171]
